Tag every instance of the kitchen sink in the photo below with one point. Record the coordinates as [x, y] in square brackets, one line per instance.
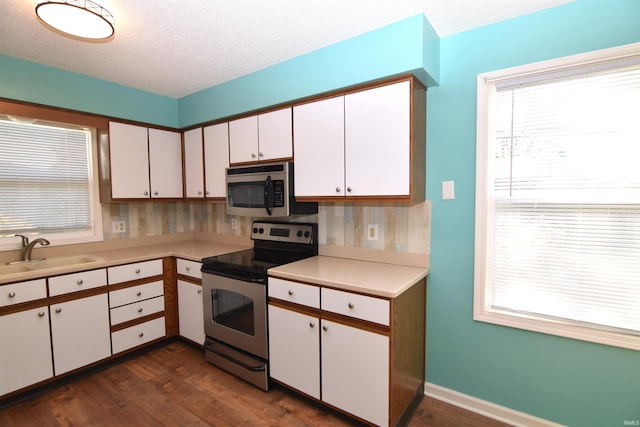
[43, 264]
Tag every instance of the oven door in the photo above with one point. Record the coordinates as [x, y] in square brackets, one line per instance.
[235, 311]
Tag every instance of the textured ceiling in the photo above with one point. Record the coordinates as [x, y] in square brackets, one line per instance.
[177, 47]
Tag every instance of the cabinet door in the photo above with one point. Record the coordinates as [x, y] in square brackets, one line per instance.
[165, 163]
[190, 311]
[25, 349]
[318, 129]
[294, 350]
[80, 332]
[216, 159]
[355, 371]
[129, 158]
[274, 135]
[193, 164]
[243, 140]
[378, 141]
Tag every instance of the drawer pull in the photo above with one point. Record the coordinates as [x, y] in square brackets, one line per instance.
[140, 310]
[290, 293]
[188, 268]
[312, 325]
[12, 294]
[351, 306]
[138, 293]
[141, 334]
[41, 314]
[199, 291]
[58, 310]
[325, 328]
[80, 282]
[137, 271]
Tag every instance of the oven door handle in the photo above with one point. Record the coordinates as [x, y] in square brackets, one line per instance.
[259, 368]
[236, 276]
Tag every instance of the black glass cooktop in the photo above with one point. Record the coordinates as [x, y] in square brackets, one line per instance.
[252, 261]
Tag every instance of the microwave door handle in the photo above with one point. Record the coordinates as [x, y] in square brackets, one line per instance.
[269, 195]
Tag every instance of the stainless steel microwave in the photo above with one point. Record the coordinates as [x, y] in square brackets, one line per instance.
[264, 191]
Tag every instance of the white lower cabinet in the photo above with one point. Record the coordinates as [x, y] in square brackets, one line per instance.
[355, 371]
[294, 350]
[190, 311]
[80, 332]
[25, 349]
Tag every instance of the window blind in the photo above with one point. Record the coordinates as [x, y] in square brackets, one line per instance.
[44, 179]
[565, 228]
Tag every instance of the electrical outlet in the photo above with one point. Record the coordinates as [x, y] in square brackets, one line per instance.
[372, 232]
[234, 223]
[118, 227]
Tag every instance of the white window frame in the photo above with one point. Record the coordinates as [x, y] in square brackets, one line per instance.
[486, 83]
[59, 239]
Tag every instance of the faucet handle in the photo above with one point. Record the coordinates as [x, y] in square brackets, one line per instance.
[25, 239]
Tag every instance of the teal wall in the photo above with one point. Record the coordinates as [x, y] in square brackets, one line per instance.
[410, 45]
[39, 84]
[563, 380]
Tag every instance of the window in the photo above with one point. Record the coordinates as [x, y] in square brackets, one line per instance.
[558, 197]
[47, 185]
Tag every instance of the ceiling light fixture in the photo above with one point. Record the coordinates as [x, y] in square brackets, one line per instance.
[83, 19]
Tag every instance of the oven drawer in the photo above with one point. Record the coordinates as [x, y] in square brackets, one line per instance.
[294, 292]
[135, 271]
[77, 282]
[22, 292]
[135, 293]
[136, 310]
[137, 335]
[354, 305]
[189, 268]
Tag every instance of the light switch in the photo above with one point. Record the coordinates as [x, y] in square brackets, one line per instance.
[448, 192]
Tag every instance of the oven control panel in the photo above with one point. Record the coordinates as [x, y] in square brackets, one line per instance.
[291, 232]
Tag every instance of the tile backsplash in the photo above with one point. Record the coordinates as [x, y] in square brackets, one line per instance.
[398, 227]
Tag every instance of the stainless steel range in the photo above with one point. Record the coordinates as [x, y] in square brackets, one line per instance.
[235, 296]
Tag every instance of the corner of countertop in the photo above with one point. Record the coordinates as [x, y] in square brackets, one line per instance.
[376, 255]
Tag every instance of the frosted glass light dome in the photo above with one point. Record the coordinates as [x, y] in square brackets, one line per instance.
[79, 18]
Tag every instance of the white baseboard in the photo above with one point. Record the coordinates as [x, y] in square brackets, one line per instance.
[483, 407]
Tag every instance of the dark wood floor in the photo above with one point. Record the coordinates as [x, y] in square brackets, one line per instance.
[173, 385]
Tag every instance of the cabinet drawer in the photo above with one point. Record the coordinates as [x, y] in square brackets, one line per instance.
[137, 335]
[135, 293]
[298, 293]
[138, 270]
[359, 306]
[136, 310]
[189, 268]
[77, 282]
[22, 292]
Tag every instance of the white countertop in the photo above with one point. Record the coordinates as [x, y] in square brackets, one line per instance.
[374, 278]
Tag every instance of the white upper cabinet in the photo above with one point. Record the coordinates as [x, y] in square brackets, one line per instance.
[165, 163]
[193, 164]
[264, 137]
[319, 148]
[367, 144]
[216, 159]
[378, 141]
[145, 163]
[129, 158]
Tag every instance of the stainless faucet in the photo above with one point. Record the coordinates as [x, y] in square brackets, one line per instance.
[28, 247]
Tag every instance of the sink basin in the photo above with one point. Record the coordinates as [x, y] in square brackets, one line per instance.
[42, 264]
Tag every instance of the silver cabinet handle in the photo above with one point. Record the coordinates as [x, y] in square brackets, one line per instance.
[137, 271]
[188, 268]
[253, 155]
[199, 192]
[138, 293]
[80, 282]
[199, 291]
[351, 306]
[41, 314]
[58, 310]
[12, 294]
[325, 328]
[146, 193]
[141, 334]
[261, 154]
[312, 325]
[348, 189]
[140, 310]
[290, 293]
[155, 193]
[206, 193]
[338, 190]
